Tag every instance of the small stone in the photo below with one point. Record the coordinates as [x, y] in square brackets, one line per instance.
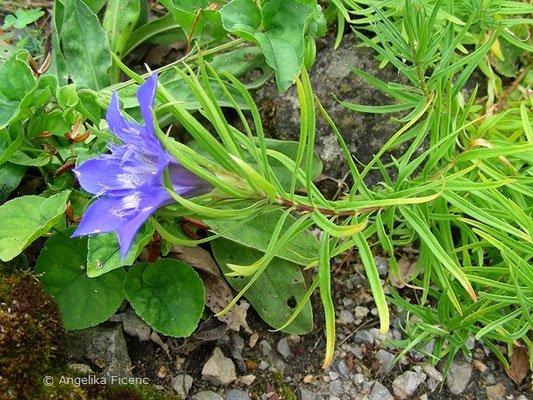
[277, 364]
[490, 379]
[481, 367]
[432, 385]
[235, 394]
[104, 346]
[356, 351]
[433, 373]
[247, 379]
[81, 369]
[219, 369]
[380, 392]
[263, 365]
[405, 385]
[162, 371]
[309, 379]
[305, 394]
[265, 348]
[343, 370]
[382, 266]
[333, 375]
[470, 342]
[347, 302]
[386, 359]
[361, 312]
[294, 339]
[237, 345]
[283, 348]
[207, 395]
[358, 379]
[333, 398]
[336, 388]
[133, 325]
[346, 316]
[458, 376]
[496, 392]
[182, 384]
[253, 340]
[423, 397]
[364, 336]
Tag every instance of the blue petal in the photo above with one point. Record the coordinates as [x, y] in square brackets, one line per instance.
[127, 132]
[120, 171]
[145, 204]
[146, 96]
[126, 233]
[185, 183]
[100, 217]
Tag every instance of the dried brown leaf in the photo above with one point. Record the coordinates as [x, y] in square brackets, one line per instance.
[518, 365]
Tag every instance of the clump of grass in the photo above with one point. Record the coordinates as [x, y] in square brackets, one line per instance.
[474, 273]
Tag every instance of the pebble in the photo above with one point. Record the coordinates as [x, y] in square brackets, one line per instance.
[133, 325]
[305, 394]
[104, 346]
[405, 385]
[263, 365]
[309, 379]
[253, 340]
[265, 348]
[382, 266]
[458, 376]
[237, 345]
[336, 387]
[380, 392]
[433, 373]
[343, 370]
[358, 379]
[496, 392]
[219, 369]
[386, 359]
[481, 367]
[360, 312]
[364, 336]
[247, 379]
[490, 379]
[283, 348]
[346, 316]
[235, 394]
[182, 384]
[470, 342]
[81, 369]
[207, 395]
[333, 375]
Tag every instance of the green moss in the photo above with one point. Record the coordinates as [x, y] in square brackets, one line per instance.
[128, 392]
[282, 389]
[31, 336]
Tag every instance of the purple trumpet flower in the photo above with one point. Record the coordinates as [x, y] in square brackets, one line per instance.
[129, 182]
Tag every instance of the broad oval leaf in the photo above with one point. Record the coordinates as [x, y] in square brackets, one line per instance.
[85, 45]
[16, 80]
[24, 219]
[168, 295]
[83, 301]
[104, 251]
[276, 292]
[278, 29]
